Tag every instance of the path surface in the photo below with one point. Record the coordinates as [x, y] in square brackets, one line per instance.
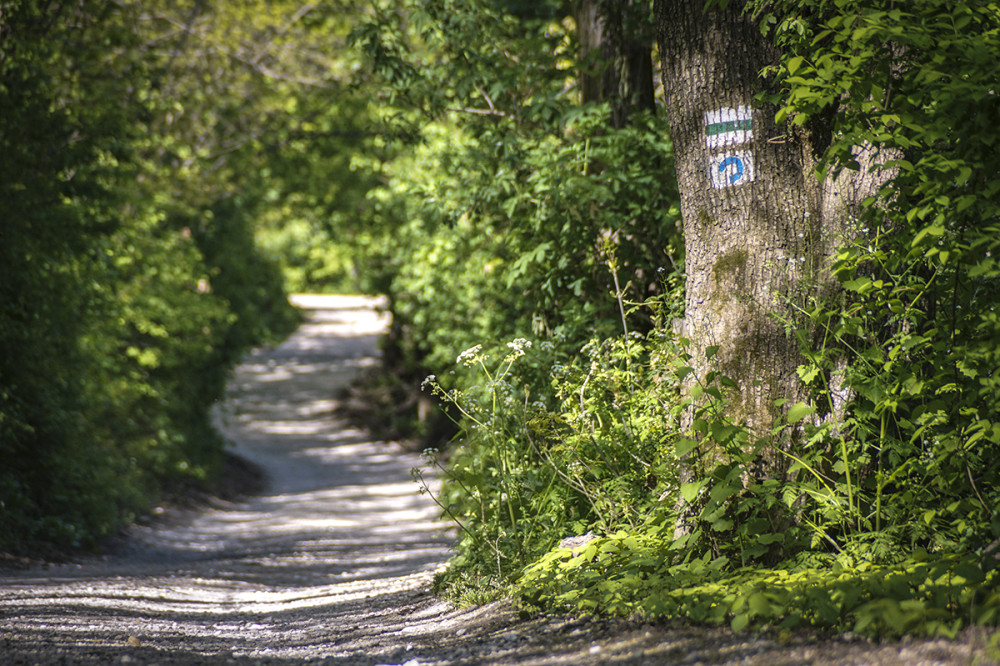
[332, 564]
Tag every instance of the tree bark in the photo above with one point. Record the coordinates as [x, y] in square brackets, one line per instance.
[590, 36]
[616, 52]
[760, 228]
[750, 229]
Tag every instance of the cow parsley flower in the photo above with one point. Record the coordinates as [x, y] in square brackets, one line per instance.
[470, 355]
[519, 344]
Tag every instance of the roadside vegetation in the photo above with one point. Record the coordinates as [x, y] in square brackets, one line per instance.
[537, 274]
[131, 281]
[529, 238]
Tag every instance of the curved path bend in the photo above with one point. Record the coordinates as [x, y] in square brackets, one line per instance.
[333, 562]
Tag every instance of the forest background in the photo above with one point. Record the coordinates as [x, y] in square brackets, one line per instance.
[503, 172]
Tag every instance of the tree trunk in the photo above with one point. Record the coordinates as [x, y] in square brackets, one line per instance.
[616, 54]
[749, 227]
[759, 227]
[590, 35]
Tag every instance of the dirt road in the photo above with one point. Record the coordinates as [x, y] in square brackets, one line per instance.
[333, 562]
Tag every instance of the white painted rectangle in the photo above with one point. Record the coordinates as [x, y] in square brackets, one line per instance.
[728, 127]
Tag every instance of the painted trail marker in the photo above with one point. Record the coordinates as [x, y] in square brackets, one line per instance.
[728, 127]
[731, 169]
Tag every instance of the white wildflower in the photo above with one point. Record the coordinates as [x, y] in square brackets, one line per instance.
[469, 356]
[519, 344]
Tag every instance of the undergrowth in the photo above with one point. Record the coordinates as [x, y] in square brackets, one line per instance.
[536, 221]
[646, 574]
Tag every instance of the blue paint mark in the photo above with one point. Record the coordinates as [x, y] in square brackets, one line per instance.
[734, 161]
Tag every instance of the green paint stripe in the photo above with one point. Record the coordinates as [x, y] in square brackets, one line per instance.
[729, 126]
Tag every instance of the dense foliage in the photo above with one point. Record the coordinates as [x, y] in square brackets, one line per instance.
[535, 269]
[127, 292]
[917, 333]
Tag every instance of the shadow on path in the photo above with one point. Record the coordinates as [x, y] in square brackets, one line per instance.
[333, 562]
[339, 541]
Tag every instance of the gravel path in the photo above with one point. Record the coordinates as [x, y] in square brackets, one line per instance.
[332, 563]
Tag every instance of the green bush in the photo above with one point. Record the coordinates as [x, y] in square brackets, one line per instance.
[644, 573]
[119, 317]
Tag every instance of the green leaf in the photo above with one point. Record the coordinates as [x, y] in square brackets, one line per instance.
[861, 285]
[684, 446]
[807, 373]
[935, 230]
[799, 411]
[971, 574]
[740, 622]
[759, 604]
[689, 491]
[728, 383]
[722, 524]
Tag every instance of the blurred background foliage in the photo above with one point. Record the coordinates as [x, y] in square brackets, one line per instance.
[132, 280]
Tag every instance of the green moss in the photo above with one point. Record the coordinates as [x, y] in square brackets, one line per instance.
[705, 220]
[730, 262]
[726, 273]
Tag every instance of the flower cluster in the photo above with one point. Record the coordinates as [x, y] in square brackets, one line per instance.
[470, 356]
[519, 344]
